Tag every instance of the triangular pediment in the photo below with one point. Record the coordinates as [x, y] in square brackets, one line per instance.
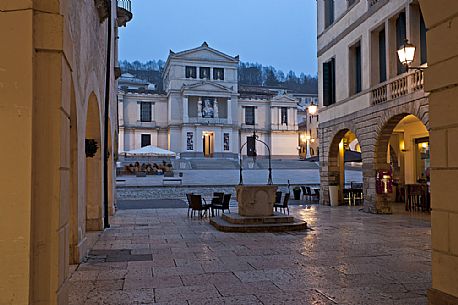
[284, 99]
[207, 86]
[204, 53]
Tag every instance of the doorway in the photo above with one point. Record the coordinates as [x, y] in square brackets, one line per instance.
[208, 144]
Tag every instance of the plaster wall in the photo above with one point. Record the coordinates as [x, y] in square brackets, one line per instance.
[52, 60]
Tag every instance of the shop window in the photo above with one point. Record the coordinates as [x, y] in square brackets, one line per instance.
[422, 159]
[191, 72]
[146, 140]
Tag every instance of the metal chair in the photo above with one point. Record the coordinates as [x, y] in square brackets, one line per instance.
[283, 206]
[224, 204]
[198, 205]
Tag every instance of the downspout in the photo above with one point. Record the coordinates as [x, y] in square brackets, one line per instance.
[106, 220]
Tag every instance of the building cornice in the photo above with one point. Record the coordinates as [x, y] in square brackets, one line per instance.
[350, 28]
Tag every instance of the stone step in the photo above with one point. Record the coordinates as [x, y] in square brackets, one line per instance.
[276, 218]
[222, 225]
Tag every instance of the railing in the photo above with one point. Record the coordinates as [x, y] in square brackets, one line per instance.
[397, 87]
[125, 4]
[208, 120]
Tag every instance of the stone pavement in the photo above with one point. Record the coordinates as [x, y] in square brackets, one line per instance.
[162, 257]
[227, 177]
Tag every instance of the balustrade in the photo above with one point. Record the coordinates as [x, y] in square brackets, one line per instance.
[400, 86]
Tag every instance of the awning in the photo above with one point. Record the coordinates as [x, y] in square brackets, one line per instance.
[150, 151]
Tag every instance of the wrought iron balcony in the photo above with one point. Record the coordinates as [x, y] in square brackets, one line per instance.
[124, 12]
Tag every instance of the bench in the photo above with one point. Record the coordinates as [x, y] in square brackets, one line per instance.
[179, 180]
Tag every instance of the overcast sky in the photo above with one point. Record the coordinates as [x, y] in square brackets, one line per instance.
[281, 33]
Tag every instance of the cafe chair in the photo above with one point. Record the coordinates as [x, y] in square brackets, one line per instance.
[283, 206]
[199, 204]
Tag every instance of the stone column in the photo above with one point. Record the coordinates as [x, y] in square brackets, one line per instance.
[272, 118]
[215, 109]
[229, 111]
[279, 116]
[185, 109]
[199, 108]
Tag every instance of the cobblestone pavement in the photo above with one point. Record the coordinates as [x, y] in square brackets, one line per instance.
[162, 257]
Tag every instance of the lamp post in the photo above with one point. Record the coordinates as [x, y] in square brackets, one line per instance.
[406, 55]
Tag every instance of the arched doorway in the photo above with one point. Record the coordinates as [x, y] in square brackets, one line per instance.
[345, 168]
[402, 152]
[93, 147]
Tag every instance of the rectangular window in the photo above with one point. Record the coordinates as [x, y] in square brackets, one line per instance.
[284, 116]
[191, 72]
[423, 47]
[400, 38]
[328, 13]
[249, 115]
[218, 73]
[355, 69]
[350, 2]
[146, 140]
[329, 83]
[382, 55]
[145, 112]
[204, 73]
[189, 141]
[226, 141]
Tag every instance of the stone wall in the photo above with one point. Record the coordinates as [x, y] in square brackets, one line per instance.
[441, 80]
[54, 60]
[373, 127]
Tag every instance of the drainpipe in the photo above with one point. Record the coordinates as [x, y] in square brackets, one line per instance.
[106, 220]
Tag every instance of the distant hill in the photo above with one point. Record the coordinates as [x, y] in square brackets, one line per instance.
[252, 74]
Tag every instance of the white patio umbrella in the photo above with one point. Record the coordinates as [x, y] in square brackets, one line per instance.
[150, 151]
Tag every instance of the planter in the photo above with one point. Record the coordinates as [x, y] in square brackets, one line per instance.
[297, 193]
[334, 195]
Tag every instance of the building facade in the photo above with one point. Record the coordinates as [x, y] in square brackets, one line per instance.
[204, 112]
[56, 185]
[371, 103]
[308, 119]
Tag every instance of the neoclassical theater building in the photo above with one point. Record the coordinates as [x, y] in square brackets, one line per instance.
[204, 112]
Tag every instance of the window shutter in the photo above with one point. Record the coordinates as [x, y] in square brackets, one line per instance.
[326, 85]
[400, 38]
[382, 55]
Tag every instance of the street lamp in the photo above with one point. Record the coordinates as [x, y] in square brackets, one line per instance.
[312, 108]
[406, 54]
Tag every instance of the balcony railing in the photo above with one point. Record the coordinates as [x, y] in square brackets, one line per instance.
[204, 121]
[397, 87]
[124, 12]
